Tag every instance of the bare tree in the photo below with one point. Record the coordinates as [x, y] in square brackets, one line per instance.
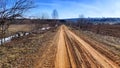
[10, 12]
[55, 17]
[83, 23]
[44, 16]
[55, 14]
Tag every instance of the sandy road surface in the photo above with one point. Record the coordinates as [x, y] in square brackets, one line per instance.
[73, 52]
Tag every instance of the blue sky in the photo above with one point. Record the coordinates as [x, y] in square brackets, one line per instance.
[74, 8]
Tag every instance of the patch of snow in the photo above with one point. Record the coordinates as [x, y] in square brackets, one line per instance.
[8, 39]
[47, 27]
[27, 33]
[43, 28]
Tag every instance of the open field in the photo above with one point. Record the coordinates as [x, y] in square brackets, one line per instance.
[16, 28]
[20, 27]
[59, 34]
[110, 30]
[62, 48]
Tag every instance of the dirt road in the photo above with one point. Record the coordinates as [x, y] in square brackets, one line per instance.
[72, 51]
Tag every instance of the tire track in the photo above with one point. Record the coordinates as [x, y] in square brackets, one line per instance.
[101, 60]
[70, 51]
[62, 58]
[83, 57]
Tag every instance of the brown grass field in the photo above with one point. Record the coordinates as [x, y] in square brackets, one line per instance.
[110, 30]
[21, 27]
[63, 48]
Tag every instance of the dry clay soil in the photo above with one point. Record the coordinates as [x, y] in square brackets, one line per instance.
[70, 51]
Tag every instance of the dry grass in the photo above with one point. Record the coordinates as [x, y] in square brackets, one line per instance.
[106, 39]
[110, 30]
[20, 27]
[23, 52]
[111, 43]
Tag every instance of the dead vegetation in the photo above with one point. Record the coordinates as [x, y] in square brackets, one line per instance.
[112, 42]
[23, 52]
[107, 45]
[105, 29]
[9, 14]
[21, 27]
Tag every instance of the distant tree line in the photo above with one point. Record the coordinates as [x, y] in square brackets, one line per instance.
[100, 27]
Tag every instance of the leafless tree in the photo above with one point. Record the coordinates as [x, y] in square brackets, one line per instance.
[55, 14]
[11, 10]
[55, 17]
[83, 23]
[44, 16]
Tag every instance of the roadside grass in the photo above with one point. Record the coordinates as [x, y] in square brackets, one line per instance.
[21, 27]
[112, 43]
[23, 52]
